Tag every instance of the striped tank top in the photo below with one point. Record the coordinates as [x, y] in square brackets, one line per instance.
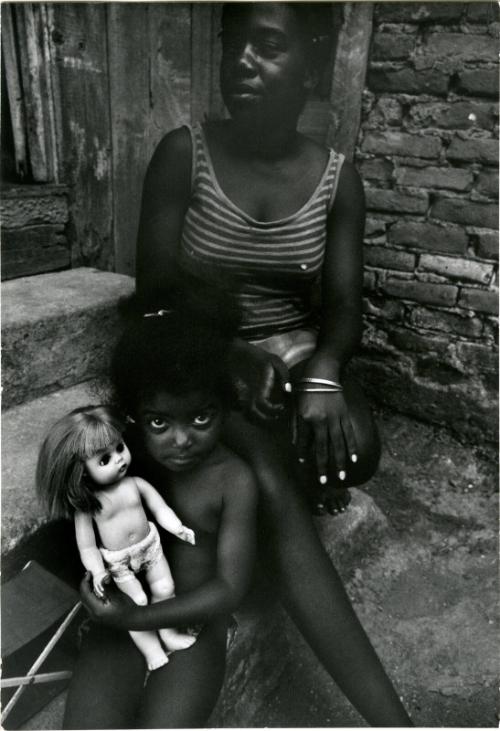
[271, 267]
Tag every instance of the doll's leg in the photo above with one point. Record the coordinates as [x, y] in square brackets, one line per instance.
[183, 693]
[147, 642]
[106, 687]
[161, 583]
[309, 584]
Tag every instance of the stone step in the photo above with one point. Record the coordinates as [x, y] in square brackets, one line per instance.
[23, 428]
[57, 330]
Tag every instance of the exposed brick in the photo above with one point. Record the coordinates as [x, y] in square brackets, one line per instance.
[462, 269]
[462, 46]
[33, 210]
[432, 294]
[415, 342]
[383, 308]
[369, 280]
[482, 12]
[487, 183]
[380, 256]
[466, 212]
[447, 322]
[449, 239]
[400, 143]
[388, 46]
[454, 115]
[487, 244]
[479, 300]
[478, 358]
[478, 82]
[408, 81]
[377, 169]
[387, 111]
[404, 12]
[374, 226]
[474, 150]
[392, 200]
[433, 177]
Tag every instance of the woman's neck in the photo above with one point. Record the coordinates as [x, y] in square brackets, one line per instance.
[259, 141]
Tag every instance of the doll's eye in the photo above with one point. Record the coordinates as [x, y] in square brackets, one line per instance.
[104, 460]
[120, 447]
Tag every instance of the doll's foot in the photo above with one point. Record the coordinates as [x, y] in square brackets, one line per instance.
[174, 640]
[157, 661]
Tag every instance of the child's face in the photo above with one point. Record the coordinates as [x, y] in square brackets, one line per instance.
[110, 465]
[179, 432]
[264, 67]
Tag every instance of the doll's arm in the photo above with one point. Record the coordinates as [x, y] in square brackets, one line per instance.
[164, 515]
[89, 553]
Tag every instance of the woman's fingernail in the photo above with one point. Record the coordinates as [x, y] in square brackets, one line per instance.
[323, 479]
[301, 460]
[354, 457]
[288, 387]
[341, 475]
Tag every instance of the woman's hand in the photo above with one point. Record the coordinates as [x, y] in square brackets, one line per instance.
[112, 609]
[261, 378]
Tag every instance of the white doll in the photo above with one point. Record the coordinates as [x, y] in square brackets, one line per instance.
[82, 473]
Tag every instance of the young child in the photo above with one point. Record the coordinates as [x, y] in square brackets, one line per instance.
[82, 472]
[171, 377]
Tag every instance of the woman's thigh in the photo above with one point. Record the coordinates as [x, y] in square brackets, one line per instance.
[183, 693]
[107, 682]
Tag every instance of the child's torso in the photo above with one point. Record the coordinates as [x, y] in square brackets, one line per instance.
[259, 228]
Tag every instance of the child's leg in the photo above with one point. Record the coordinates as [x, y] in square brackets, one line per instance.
[161, 583]
[309, 584]
[108, 678]
[147, 642]
[183, 693]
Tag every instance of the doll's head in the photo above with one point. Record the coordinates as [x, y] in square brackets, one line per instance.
[64, 484]
[171, 375]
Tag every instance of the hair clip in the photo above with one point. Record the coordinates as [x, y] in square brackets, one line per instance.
[159, 313]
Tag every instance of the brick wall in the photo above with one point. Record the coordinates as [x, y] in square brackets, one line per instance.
[428, 154]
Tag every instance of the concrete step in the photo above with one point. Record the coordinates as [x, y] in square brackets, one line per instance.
[57, 330]
[23, 428]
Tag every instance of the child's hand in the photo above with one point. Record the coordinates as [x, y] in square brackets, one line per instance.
[186, 534]
[98, 582]
[112, 610]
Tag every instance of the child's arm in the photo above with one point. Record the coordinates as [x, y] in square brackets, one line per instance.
[220, 595]
[89, 553]
[164, 515]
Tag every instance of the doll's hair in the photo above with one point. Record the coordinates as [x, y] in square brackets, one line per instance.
[62, 485]
[178, 343]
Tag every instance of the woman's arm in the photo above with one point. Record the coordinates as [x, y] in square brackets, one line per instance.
[340, 330]
[220, 595]
[165, 199]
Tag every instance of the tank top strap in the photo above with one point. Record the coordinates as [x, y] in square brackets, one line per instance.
[198, 157]
[335, 166]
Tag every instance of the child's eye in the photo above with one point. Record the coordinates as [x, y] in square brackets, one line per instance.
[157, 424]
[104, 460]
[203, 419]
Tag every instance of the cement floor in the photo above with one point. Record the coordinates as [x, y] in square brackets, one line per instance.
[425, 588]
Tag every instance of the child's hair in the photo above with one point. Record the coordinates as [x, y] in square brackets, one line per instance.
[178, 343]
[62, 484]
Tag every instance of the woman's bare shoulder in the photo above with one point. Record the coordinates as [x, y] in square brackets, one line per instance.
[233, 472]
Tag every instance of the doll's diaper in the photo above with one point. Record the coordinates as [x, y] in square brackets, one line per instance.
[126, 562]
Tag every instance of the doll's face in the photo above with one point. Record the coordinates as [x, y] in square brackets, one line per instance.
[179, 432]
[110, 465]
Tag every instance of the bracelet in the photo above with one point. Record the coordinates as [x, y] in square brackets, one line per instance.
[322, 382]
[311, 389]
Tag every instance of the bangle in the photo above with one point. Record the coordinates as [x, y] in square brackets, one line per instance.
[322, 382]
[311, 389]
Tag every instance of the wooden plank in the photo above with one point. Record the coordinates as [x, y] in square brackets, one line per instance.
[206, 101]
[14, 91]
[129, 60]
[351, 60]
[30, 210]
[79, 33]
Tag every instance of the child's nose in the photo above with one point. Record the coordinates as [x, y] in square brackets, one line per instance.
[181, 437]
